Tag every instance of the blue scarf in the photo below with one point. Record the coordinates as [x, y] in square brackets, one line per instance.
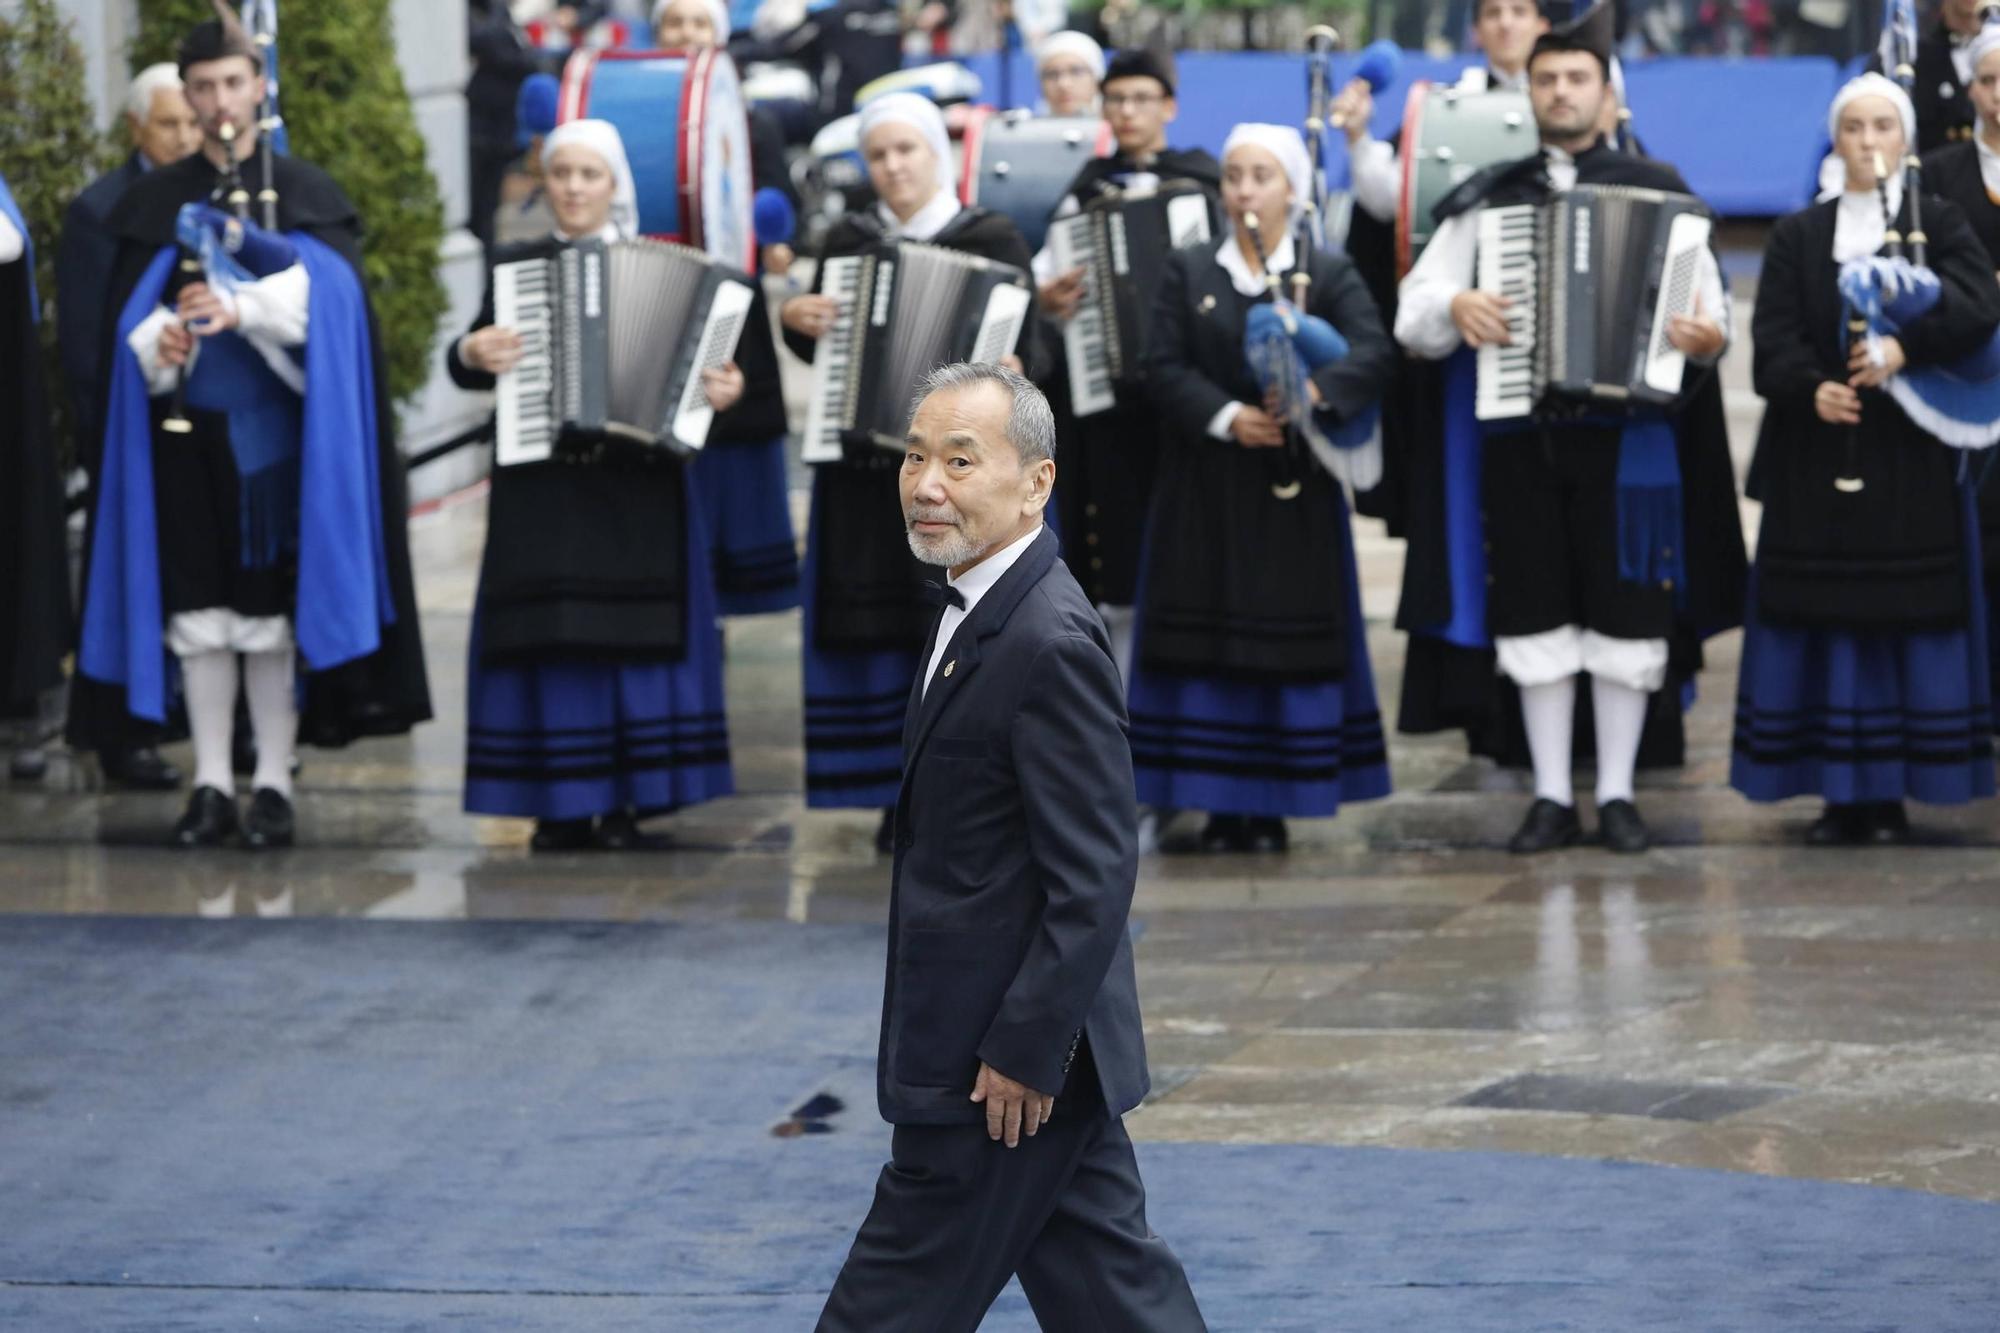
[343, 592]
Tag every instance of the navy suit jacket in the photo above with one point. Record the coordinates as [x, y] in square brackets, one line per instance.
[1015, 857]
[84, 260]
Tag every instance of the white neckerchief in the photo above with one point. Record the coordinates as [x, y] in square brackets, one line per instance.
[1237, 265]
[1989, 167]
[926, 222]
[1561, 168]
[608, 233]
[975, 584]
[1858, 225]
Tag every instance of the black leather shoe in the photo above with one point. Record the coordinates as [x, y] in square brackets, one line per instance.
[1265, 835]
[269, 822]
[209, 820]
[619, 831]
[1885, 823]
[1226, 833]
[1547, 827]
[141, 769]
[561, 835]
[1838, 826]
[1621, 830]
[28, 766]
[885, 832]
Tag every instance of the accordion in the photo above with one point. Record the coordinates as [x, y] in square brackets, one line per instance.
[1121, 241]
[1594, 276]
[614, 342]
[905, 309]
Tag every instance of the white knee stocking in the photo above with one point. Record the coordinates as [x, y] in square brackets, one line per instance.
[1621, 717]
[1549, 711]
[209, 681]
[274, 718]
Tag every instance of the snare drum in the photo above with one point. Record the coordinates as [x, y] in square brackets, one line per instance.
[682, 118]
[1448, 134]
[1021, 165]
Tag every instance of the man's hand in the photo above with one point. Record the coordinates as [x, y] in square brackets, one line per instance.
[176, 345]
[1481, 318]
[1254, 428]
[495, 349]
[1696, 335]
[1010, 1106]
[809, 316]
[723, 385]
[1060, 295]
[1353, 109]
[1837, 404]
[204, 311]
[1868, 375]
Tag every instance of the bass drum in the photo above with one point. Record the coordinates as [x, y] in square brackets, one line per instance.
[1021, 166]
[682, 118]
[1448, 134]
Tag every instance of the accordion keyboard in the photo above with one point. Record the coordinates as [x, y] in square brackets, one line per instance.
[1086, 339]
[525, 409]
[1507, 266]
[836, 362]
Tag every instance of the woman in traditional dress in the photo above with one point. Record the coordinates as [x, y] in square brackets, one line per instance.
[595, 691]
[739, 478]
[1968, 174]
[1252, 698]
[1864, 677]
[864, 614]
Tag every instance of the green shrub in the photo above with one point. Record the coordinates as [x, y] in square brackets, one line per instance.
[49, 149]
[347, 112]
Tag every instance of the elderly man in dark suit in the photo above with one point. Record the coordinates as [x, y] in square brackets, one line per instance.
[163, 131]
[1011, 1046]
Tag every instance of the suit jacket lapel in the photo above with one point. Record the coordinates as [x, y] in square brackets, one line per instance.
[962, 657]
[917, 686]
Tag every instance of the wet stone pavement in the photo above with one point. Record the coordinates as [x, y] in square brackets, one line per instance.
[1731, 999]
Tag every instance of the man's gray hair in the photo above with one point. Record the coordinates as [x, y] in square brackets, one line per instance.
[1031, 426]
[149, 83]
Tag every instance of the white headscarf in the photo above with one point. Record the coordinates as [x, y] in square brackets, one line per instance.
[602, 138]
[920, 114]
[1071, 43]
[1282, 142]
[718, 14]
[1873, 85]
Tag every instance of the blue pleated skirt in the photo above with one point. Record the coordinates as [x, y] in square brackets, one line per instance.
[1228, 747]
[744, 494]
[854, 707]
[573, 739]
[1867, 717]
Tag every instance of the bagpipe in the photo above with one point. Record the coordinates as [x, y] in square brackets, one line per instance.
[1956, 401]
[1283, 344]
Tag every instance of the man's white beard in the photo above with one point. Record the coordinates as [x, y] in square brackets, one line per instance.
[947, 549]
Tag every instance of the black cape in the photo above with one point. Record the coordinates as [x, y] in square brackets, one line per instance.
[868, 591]
[1446, 686]
[585, 553]
[1953, 173]
[387, 692]
[1889, 557]
[34, 551]
[1195, 164]
[1239, 583]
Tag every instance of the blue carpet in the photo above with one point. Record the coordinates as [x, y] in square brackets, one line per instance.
[364, 1126]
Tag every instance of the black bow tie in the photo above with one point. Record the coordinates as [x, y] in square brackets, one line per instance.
[943, 594]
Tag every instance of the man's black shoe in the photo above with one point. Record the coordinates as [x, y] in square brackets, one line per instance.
[209, 820]
[1265, 835]
[270, 822]
[1838, 826]
[1226, 833]
[28, 765]
[561, 835]
[142, 769]
[1620, 829]
[1886, 823]
[1547, 827]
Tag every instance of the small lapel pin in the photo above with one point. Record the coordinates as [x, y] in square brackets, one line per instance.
[1207, 304]
[949, 665]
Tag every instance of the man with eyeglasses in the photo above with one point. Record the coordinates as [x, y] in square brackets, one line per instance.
[1108, 482]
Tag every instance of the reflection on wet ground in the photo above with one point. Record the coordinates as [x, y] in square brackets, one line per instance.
[1731, 999]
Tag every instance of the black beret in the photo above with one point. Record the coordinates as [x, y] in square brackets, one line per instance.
[1142, 63]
